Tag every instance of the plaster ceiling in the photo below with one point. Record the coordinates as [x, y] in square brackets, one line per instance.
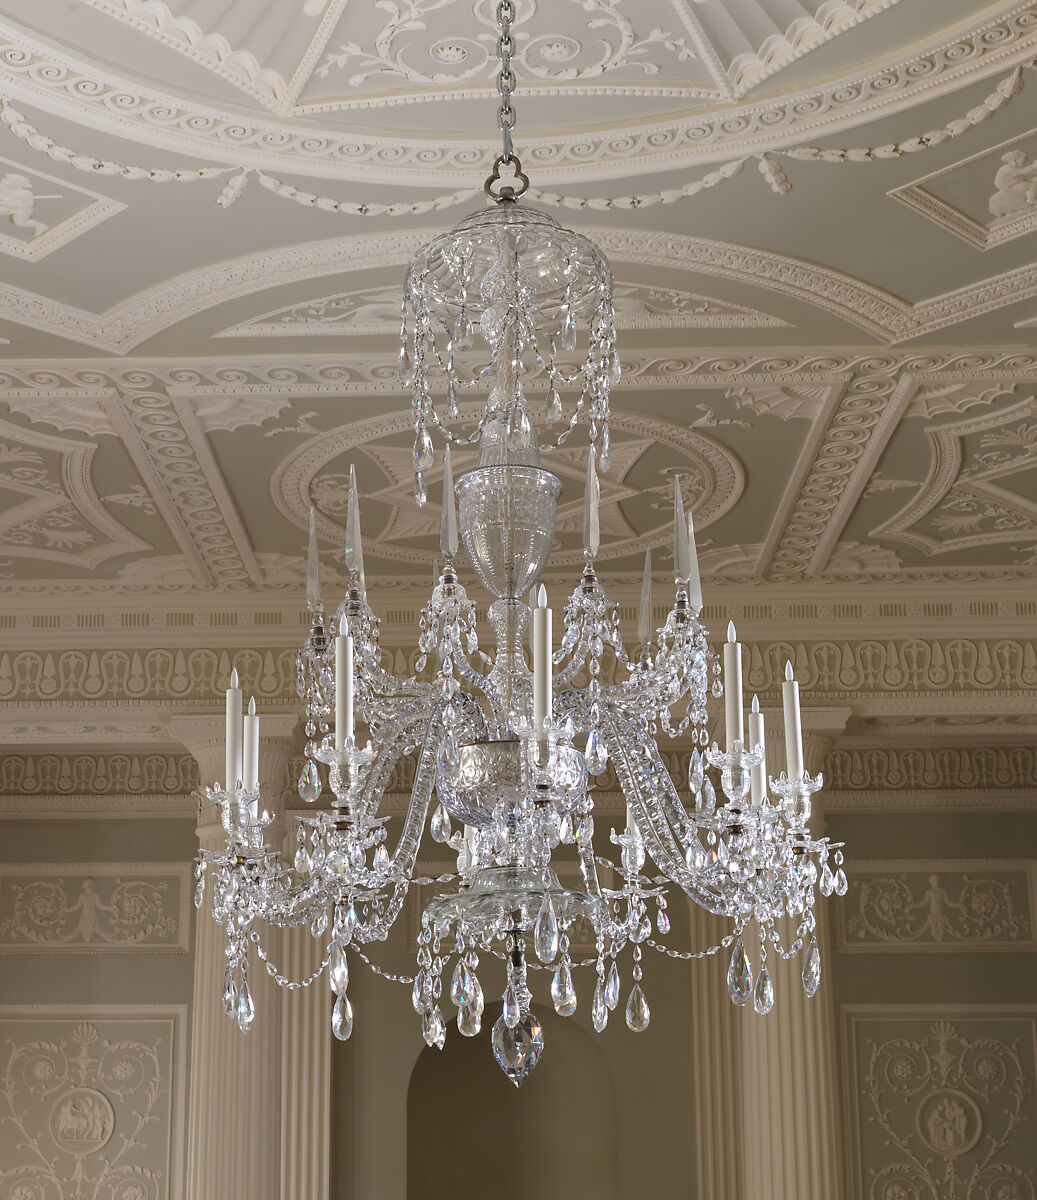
[835, 356]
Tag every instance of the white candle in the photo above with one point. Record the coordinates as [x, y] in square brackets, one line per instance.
[733, 687]
[758, 775]
[343, 690]
[250, 757]
[541, 661]
[234, 732]
[793, 727]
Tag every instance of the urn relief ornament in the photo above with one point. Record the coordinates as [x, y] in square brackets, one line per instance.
[507, 746]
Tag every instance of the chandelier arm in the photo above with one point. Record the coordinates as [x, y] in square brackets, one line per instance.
[404, 857]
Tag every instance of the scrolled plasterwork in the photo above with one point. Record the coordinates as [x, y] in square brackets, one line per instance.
[91, 1102]
[951, 906]
[936, 768]
[90, 908]
[60, 81]
[51, 510]
[377, 310]
[942, 1106]
[301, 481]
[978, 490]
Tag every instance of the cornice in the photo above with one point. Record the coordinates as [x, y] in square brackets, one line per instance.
[60, 82]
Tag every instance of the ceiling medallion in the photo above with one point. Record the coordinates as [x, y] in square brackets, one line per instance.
[509, 742]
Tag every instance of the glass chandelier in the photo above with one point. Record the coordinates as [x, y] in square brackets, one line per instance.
[505, 746]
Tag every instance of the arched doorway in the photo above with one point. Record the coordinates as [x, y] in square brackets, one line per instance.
[553, 1138]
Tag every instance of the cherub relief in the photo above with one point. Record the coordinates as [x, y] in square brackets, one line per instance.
[18, 201]
[1015, 185]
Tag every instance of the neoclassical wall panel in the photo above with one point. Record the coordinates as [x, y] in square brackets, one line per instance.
[92, 1102]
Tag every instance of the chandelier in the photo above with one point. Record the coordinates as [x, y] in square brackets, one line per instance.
[505, 746]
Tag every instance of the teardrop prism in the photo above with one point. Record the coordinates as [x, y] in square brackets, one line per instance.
[763, 993]
[469, 1022]
[342, 1019]
[246, 1009]
[563, 994]
[230, 994]
[517, 1050]
[638, 1013]
[599, 1011]
[739, 976]
[612, 987]
[338, 970]
[309, 783]
[545, 935]
[510, 1012]
[812, 969]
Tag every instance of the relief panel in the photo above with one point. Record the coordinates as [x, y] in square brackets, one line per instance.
[94, 908]
[939, 905]
[92, 1102]
[941, 1102]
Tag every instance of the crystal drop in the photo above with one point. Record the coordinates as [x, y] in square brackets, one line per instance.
[350, 921]
[417, 995]
[739, 976]
[599, 1011]
[615, 368]
[569, 331]
[449, 759]
[638, 1013]
[406, 369]
[342, 1018]
[319, 923]
[302, 860]
[827, 884]
[230, 994]
[309, 783]
[763, 993]
[709, 796]
[460, 984]
[246, 1009]
[381, 857]
[562, 991]
[605, 452]
[565, 830]
[695, 856]
[433, 1028]
[338, 970]
[662, 922]
[464, 334]
[812, 969]
[553, 407]
[841, 882]
[511, 1013]
[420, 494]
[520, 432]
[545, 935]
[696, 774]
[469, 1022]
[717, 688]
[596, 753]
[199, 894]
[612, 987]
[475, 996]
[424, 453]
[441, 824]
[517, 1049]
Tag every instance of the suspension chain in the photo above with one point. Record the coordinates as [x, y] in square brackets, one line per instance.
[506, 113]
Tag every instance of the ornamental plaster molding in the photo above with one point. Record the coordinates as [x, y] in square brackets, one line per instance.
[945, 905]
[939, 1093]
[66, 85]
[377, 310]
[884, 316]
[127, 774]
[103, 1086]
[95, 908]
[881, 769]
[297, 483]
[905, 674]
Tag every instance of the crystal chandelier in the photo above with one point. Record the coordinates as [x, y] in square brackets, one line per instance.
[504, 746]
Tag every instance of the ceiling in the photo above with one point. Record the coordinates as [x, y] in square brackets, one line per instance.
[836, 356]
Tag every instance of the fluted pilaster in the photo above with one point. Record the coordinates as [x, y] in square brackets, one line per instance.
[790, 1097]
[234, 1122]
